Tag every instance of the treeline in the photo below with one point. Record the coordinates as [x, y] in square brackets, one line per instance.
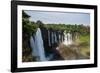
[31, 27]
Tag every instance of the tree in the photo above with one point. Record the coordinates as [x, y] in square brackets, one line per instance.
[24, 15]
[28, 29]
[41, 25]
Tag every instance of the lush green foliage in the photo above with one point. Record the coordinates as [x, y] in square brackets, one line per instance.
[28, 29]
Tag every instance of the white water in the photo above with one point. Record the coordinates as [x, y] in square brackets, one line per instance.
[37, 46]
[55, 37]
[52, 37]
[34, 50]
[67, 39]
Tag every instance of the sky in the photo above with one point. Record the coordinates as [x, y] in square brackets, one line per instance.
[49, 17]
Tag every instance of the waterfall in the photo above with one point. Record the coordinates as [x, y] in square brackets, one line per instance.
[49, 38]
[52, 37]
[67, 38]
[34, 50]
[37, 46]
[55, 37]
[52, 34]
[59, 38]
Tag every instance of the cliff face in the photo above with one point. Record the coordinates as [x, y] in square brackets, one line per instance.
[27, 30]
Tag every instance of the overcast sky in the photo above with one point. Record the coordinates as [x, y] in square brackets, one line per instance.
[59, 17]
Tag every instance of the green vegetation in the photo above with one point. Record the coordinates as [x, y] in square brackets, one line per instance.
[30, 27]
[85, 45]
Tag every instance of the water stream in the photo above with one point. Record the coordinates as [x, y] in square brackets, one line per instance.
[37, 46]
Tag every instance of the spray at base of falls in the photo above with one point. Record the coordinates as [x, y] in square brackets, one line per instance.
[37, 46]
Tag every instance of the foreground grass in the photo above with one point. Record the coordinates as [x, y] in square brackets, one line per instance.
[85, 45]
[80, 49]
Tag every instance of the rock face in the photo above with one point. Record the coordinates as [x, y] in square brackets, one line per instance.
[45, 44]
[51, 39]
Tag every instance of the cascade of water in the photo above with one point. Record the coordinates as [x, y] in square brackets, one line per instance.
[62, 37]
[33, 46]
[67, 38]
[49, 38]
[37, 46]
[52, 34]
[59, 38]
[55, 37]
